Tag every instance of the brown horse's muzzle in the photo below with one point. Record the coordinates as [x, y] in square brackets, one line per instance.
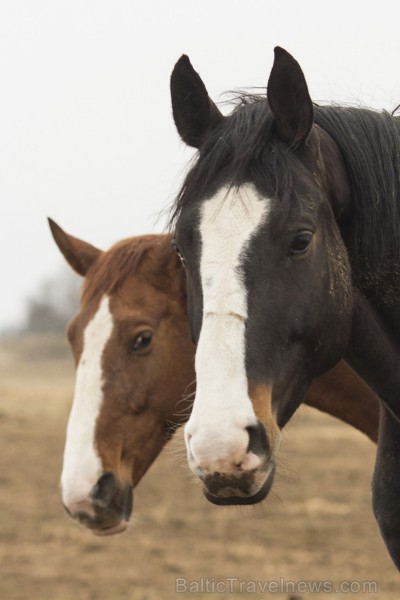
[108, 509]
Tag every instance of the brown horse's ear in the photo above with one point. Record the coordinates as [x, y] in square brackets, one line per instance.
[289, 99]
[195, 114]
[78, 254]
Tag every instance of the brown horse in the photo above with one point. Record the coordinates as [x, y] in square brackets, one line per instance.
[134, 359]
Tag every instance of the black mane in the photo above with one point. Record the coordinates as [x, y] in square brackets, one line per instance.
[369, 142]
[243, 147]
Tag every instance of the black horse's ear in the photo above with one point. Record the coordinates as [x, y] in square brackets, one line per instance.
[289, 99]
[79, 254]
[195, 114]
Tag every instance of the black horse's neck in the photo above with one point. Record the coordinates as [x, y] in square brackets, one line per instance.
[361, 154]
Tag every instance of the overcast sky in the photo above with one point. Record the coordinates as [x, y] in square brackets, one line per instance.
[86, 133]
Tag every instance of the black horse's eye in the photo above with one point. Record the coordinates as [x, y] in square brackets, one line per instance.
[301, 242]
[141, 341]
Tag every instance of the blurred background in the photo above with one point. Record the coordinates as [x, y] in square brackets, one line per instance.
[87, 135]
[87, 138]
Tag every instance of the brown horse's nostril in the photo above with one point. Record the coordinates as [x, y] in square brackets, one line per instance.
[258, 441]
[104, 490]
[107, 496]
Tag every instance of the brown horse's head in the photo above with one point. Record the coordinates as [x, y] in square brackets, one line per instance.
[134, 359]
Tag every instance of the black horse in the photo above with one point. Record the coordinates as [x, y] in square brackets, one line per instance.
[289, 226]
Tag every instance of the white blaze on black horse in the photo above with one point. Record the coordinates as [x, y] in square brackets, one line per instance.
[223, 418]
[289, 227]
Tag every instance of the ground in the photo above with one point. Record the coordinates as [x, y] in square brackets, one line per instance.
[317, 525]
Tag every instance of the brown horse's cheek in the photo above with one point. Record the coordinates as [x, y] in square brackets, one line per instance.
[143, 441]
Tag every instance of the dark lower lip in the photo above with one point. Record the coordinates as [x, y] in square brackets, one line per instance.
[119, 528]
[239, 500]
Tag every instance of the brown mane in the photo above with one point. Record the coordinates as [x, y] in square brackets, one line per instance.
[148, 255]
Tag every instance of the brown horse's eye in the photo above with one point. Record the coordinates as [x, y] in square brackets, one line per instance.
[141, 341]
[301, 242]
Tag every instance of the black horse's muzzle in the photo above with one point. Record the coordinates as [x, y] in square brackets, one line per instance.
[242, 486]
[226, 491]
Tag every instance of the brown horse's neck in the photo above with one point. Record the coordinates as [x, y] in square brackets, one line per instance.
[342, 394]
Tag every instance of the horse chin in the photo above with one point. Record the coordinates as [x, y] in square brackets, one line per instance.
[259, 496]
[119, 528]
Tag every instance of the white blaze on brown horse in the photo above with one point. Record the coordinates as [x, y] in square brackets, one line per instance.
[144, 367]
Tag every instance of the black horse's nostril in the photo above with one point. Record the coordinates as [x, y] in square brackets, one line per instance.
[258, 441]
[104, 490]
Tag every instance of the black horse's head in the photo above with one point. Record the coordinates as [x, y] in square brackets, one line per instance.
[269, 282]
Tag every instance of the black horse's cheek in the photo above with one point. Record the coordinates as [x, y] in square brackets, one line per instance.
[287, 406]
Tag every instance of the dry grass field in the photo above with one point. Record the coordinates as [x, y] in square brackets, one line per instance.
[316, 525]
